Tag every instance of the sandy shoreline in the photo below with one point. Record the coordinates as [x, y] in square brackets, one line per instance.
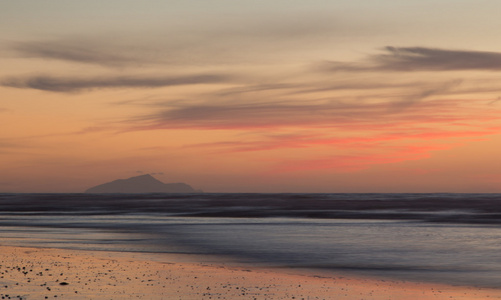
[41, 273]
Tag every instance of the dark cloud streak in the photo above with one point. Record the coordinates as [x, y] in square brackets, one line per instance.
[224, 116]
[221, 40]
[406, 59]
[55, 84]
[73, 52]
[276, 115]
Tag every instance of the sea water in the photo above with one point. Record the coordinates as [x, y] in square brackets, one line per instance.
[448, 238]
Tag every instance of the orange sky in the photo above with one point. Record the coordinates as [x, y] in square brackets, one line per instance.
[255, 96]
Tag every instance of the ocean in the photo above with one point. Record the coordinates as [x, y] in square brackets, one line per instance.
[444, 238]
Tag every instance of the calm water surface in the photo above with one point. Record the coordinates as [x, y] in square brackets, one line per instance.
[413, 244]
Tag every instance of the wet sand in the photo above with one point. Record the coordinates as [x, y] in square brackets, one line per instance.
[42, 273]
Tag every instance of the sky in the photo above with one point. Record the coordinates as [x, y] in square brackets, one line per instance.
[251, 96]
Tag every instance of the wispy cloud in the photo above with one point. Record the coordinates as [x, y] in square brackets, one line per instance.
[423, 59]
[279, 114]
[353, 143]
[59, 84]
[258, 88]
[373, 131]
[426, 92]
[210, 41]
[84, 51]
[254, 115]
[356, 162]
[7, 146]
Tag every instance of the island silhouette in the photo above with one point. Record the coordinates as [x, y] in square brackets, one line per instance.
[141, 184]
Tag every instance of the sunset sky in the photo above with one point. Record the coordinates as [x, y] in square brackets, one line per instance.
[252, 96]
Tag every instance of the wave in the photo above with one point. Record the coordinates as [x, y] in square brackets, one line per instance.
[444, 207]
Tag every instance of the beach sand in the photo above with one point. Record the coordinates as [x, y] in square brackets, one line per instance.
[42, 273]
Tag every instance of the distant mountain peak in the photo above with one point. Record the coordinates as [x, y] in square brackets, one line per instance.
[141, 184]
[145, 176]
